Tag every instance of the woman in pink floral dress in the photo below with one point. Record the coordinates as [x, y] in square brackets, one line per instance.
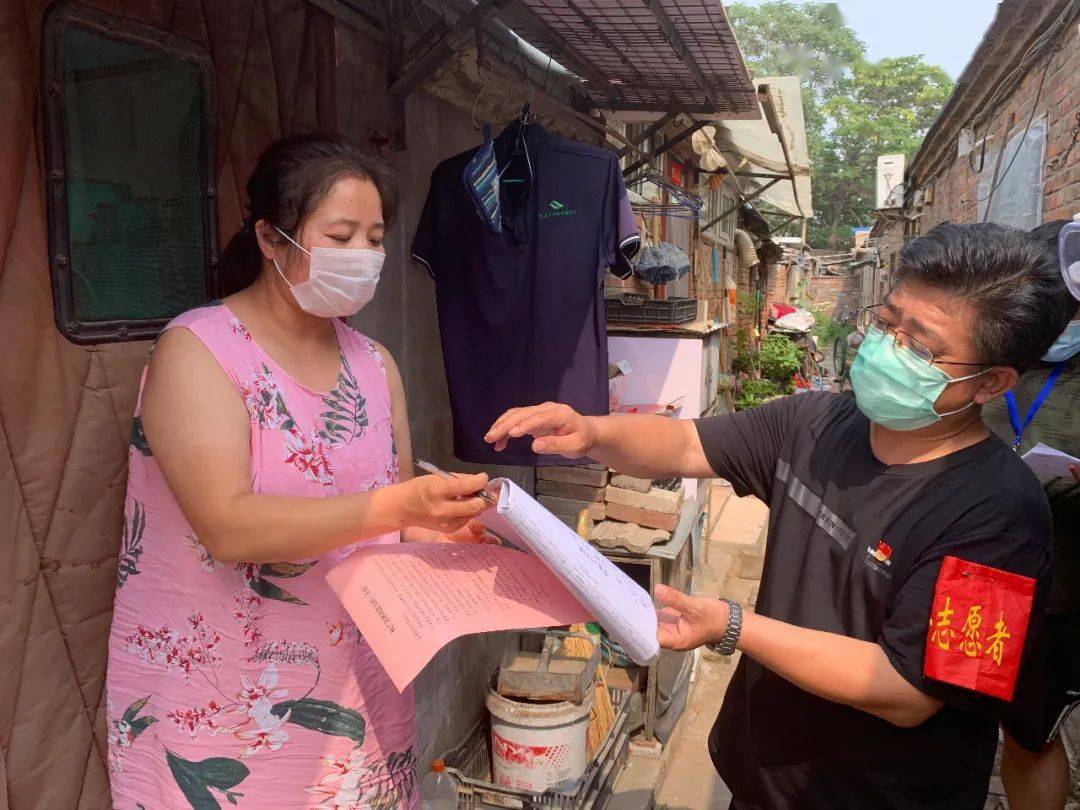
[271, 440]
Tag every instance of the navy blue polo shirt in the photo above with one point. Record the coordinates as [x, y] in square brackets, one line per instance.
[521, 313]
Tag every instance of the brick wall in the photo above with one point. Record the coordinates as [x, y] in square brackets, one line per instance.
[955, 188]
[778, 278]
[836, 296]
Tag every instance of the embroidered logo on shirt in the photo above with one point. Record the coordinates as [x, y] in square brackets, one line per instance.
[882, 553]
[878, 559]
[557, 209]
[978, 621]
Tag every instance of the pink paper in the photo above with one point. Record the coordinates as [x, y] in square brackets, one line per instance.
[409, 600]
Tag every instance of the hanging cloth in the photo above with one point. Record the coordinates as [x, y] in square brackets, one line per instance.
[481, 177]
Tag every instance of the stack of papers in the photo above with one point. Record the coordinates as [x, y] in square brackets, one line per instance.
[1047, 462]
[411, 599]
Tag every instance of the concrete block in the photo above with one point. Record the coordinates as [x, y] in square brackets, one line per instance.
[655, 500]
[640, 747]
[642, 517]
[718, 498]
[710, 578]
[633, 789]
[568, 508]
[572, 492]
[742, 526]
[586, 476]
[629, 482]
[611, 534]
[743, 591]
[750, 566]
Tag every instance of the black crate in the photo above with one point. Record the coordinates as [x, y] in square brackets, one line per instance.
[639, 309]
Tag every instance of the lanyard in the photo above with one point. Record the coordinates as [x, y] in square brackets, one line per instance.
[1040, 398]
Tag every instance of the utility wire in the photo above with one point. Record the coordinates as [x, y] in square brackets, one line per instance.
[1034, 108]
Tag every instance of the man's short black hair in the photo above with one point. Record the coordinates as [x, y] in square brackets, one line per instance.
[1007, 276]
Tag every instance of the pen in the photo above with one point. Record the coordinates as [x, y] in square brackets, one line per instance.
[428, 467]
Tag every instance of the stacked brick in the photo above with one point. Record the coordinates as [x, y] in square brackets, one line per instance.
[624, 512]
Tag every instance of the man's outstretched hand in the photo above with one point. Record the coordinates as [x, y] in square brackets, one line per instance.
[687, 622]
[556, 430]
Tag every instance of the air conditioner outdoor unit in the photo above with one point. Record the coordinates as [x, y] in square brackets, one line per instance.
[890, 181]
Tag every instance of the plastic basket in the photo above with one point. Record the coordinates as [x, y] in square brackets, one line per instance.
[470, 766]
[633, 308]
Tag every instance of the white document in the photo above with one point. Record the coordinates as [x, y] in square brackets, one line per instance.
[622, 606]
[1048, 462]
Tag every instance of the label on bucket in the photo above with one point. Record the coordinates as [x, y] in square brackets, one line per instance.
[535, 768]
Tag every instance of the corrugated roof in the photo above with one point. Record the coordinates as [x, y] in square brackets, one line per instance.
[644, 55]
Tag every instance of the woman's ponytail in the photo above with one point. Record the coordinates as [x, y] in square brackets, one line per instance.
[241, 262]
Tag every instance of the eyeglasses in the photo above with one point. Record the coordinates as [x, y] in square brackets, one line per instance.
[871, 317]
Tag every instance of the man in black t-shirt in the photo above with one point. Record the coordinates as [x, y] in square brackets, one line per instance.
[908, 557]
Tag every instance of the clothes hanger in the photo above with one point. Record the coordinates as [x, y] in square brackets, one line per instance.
[483, 89]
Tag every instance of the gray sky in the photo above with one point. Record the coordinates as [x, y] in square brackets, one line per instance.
[946, 31]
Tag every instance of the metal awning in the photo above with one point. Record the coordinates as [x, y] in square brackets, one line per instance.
[770, 157]
[624, 59]
[644, 56]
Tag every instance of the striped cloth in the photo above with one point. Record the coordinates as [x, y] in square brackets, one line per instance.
[481, 177]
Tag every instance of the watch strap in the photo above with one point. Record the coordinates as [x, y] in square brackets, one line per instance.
[726, 644]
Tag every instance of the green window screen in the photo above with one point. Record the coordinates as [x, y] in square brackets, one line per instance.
[132, 118]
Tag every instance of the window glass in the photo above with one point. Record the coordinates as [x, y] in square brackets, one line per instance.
[131, 216]
[1017, 198]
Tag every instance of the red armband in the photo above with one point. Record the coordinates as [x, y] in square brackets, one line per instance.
[978, 623]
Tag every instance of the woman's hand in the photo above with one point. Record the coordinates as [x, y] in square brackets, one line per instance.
[558, 430]
[443, 505]
[1075, 470]
[473, 532]
[687, 622]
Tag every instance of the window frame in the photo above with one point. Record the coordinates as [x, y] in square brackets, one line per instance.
[60, 18]
[719, 199]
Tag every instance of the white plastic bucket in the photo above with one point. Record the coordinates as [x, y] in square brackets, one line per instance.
[538, 746]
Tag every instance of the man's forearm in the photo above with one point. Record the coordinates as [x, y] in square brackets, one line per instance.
[837, 668]
[649, 446]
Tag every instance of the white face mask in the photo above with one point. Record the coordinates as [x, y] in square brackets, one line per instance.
[340, 280]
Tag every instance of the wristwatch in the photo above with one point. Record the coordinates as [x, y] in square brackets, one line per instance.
[727, 642]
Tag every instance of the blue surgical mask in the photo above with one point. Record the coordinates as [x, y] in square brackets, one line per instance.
[1066, 346]
[895, 388]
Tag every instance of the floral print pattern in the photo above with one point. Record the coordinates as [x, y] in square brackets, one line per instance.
[264, 401]
[308, 455]
[346, 416]
[247, 684]
[180, 654]
[237, 328]
[202, 556]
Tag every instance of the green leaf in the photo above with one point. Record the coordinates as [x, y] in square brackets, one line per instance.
[285, 569]
[138, 437]
[268, 590]
[388, 781]
[346, 416]
[323, 716]
[133, 710]
[141, 724]
[131, 544]
[195, 779]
